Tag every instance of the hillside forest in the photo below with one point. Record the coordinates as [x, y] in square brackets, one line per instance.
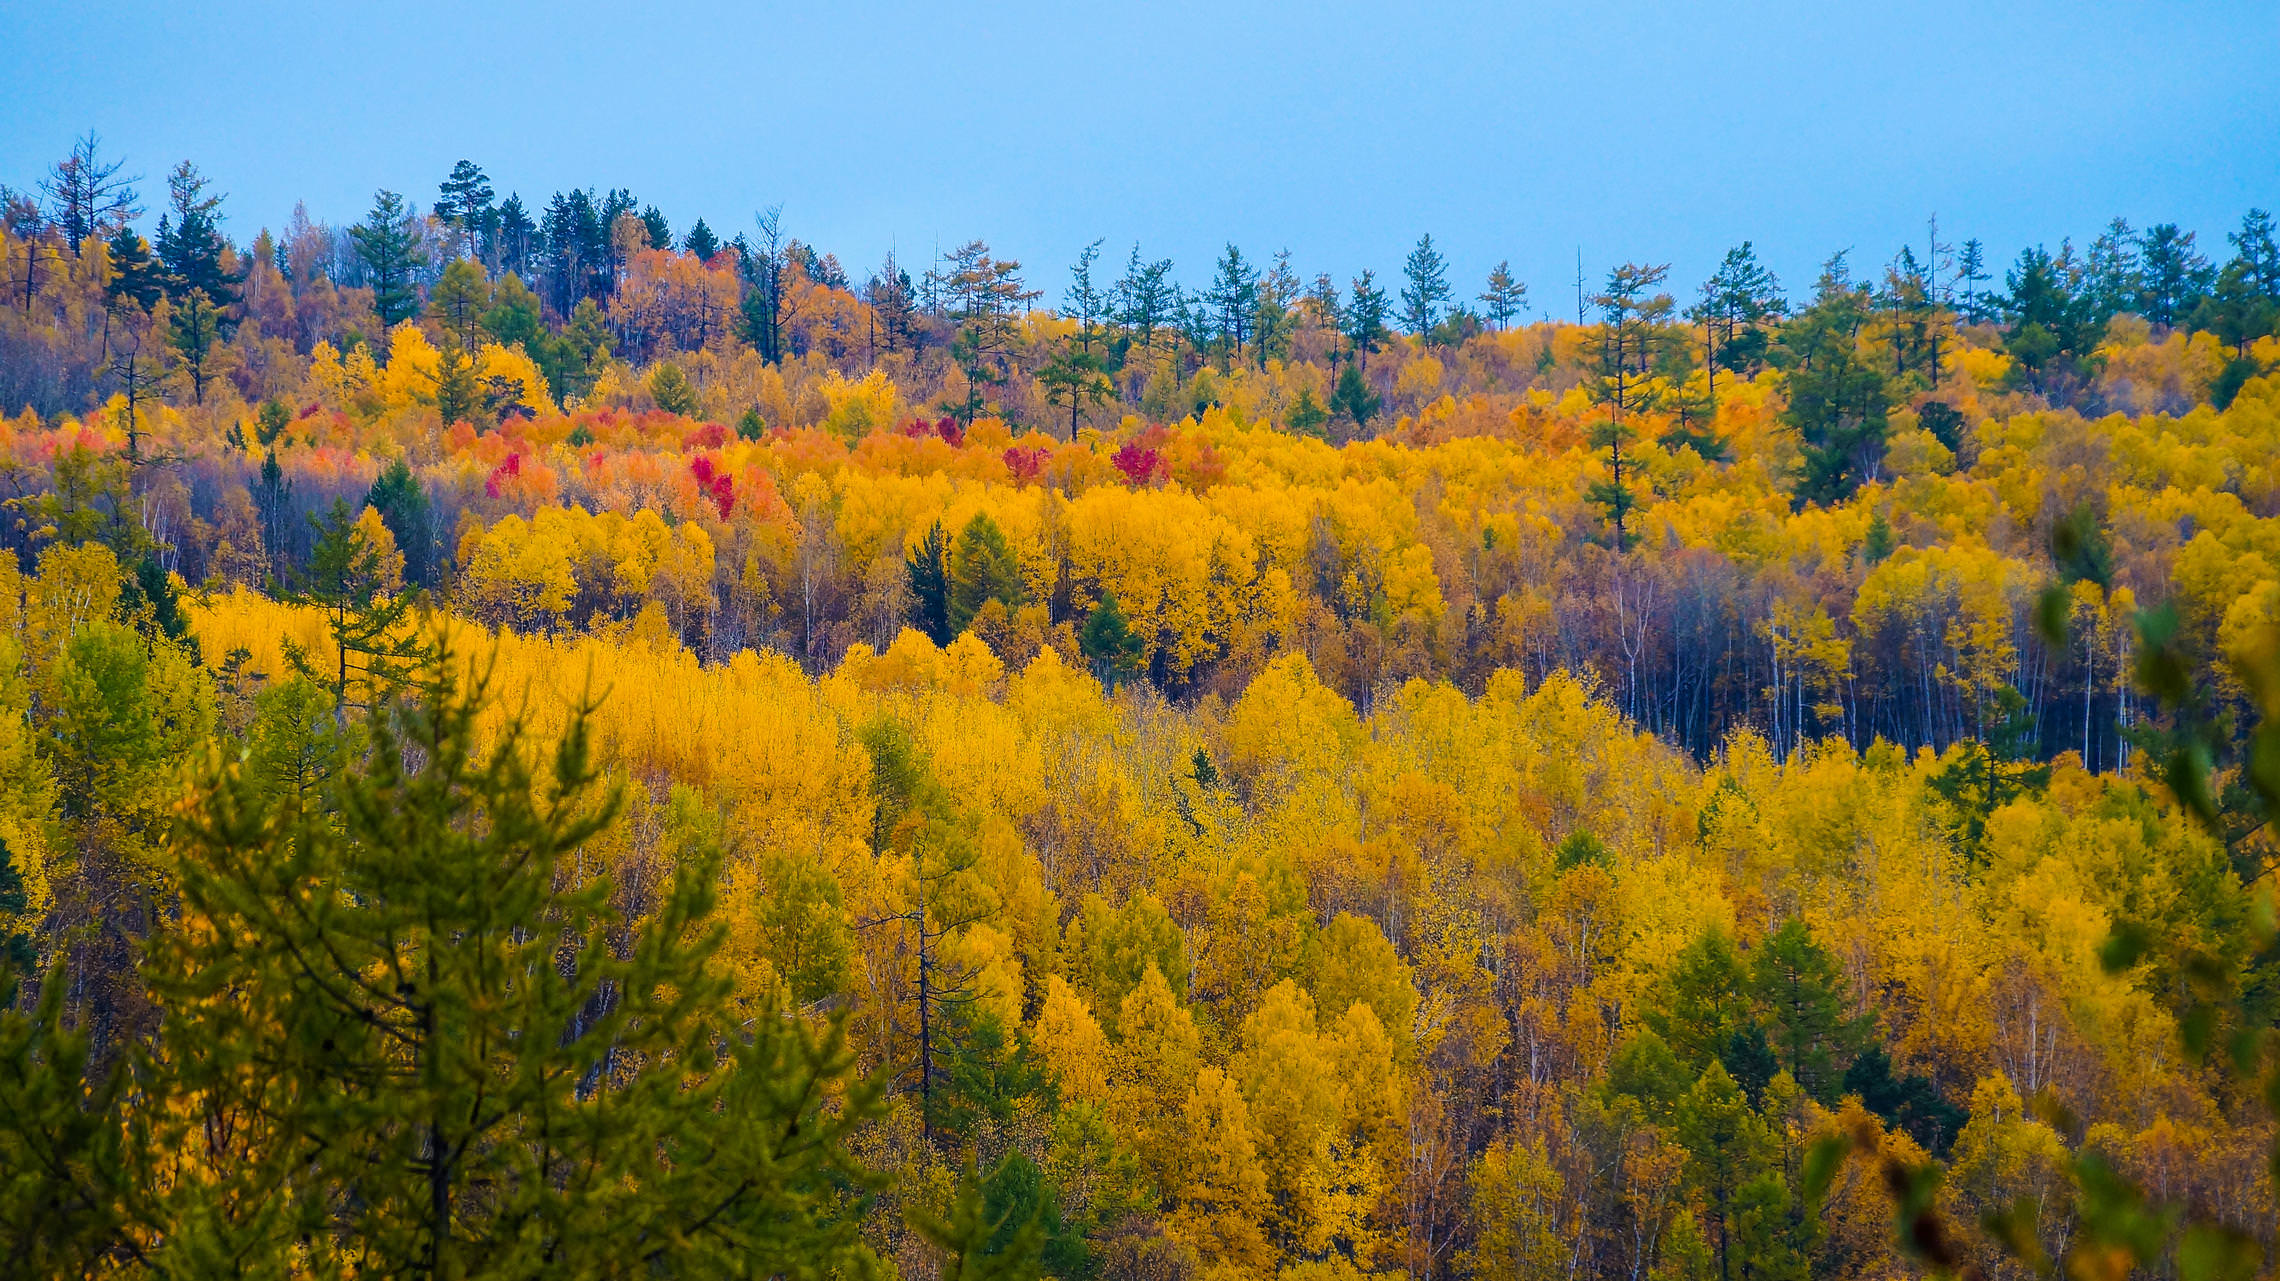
[538, 740]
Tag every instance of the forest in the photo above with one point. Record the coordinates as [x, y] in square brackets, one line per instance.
[539, 741]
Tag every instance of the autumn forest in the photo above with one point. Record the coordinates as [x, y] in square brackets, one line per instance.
[541, 736]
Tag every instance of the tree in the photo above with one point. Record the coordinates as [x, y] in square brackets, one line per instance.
[1838, 403]
[402, 502]
[190, 244]
[390, 251]
[460, 302]
[928, 572]
[764, 261]
[1911, 1104]
[1981, 775]
[515, 316]
[654, 226]
[464, 205]
[2175, 274]
[1144, 298]
[914, 820]
[1701, 1001]
[1077, 374]
[1075, 378]
[518, 1093]
[136, 277]
[988, 1235]
[355, 576]
[194, 330]
[1631, 317]
[2113, 279]
[673, 391]
[86, 195]
[66, 1170]
[1796, 982]
[1737, 301]
[1109, 643]
[458, 393]
[1352, 396]
[2237, 311]
[2258, 251]
[515, 238]
[2046, 313]
[1365, 314]
[1427, 289]
[984, 296]
[893, 308]
[1505, 297]
[1727, 1149]
[1971, 272]
[701, 241]
[981, 569]
[1233, 299]
[138, 371]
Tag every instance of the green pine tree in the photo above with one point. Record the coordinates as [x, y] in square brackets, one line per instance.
[927, 568]
[391, 254]
[1110, 644]
[1797, 984]
[447, 1053]
[981, 568]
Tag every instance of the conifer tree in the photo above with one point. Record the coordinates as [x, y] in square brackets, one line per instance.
[982, 568]
[1109, 643]
[194, 331]
[391, 253]
[927, 568]
[417, 1040]
[1506, 296]
[464, 205]
[1427, 289]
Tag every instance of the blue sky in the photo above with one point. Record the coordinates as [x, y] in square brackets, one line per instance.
[1628, 130]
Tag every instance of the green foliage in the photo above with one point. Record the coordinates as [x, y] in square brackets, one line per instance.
[1908, 1103]
[1352, 396]
[374, 628]
[992, 1232]
[672, 391]
[390, 250]
[1838, 402]
[515, 316]
[1796, 982]
[458, 394]
[539, 1082]
[1109, 643]
[1426, 290]
[194, 331]
[981, 568]
[66, 1170]
[803, 923]
[1701, 1001]
[460, 302]
[402, 502]
[928, 571]
[1983, 775]
[1308, 414]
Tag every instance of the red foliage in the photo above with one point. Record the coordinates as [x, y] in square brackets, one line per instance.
[709, 436]
[948, 429]
[511, 467]
[717, 484]
[1026, 464]
[1141, 464]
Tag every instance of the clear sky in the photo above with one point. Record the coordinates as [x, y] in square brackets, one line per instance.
[1626, 129]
